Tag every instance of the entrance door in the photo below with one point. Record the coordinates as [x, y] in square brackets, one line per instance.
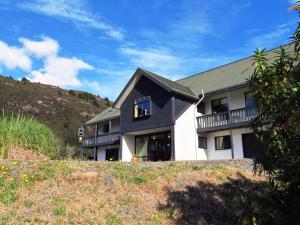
[250, 145]
[112, 154]
[159, 148]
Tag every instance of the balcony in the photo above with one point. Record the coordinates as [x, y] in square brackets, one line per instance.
[103, 139]
[233, 119]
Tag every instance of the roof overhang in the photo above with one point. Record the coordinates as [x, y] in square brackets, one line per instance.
[133, 81]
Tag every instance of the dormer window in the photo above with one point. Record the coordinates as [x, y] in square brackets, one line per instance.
[142, 107]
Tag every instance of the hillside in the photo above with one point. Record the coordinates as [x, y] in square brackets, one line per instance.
[74, 192]
[61, 110]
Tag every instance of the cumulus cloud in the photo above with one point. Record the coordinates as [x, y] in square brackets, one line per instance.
[13, 57]
[60, 71]
[75, 11]
[155, 59]
[44, 48]
[56, 70]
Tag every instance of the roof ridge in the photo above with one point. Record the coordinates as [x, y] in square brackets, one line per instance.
[227, 64]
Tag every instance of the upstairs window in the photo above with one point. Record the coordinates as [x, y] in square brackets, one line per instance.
[249, 100]
[105, 128]
[201, 108]
[142, 107]
[223, 142]
[219, 105]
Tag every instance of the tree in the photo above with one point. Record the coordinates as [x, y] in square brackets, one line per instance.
[71, 92]
[276, 89]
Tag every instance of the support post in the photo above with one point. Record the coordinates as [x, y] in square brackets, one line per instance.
[95, 142]
[229, 121]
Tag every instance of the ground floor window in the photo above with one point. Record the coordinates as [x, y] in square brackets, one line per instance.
[223, 142]
[112, 154]
[154, 147]
[202, 142]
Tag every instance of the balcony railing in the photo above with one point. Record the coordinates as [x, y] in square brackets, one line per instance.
[103, 139]
[234, 117]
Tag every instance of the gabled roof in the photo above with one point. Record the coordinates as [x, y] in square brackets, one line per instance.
[165, 83]
[107, 114]
[229, 75]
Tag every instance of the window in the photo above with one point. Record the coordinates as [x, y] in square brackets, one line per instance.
[201, 108]
[223, 142]
[249, 100]
[105, 128]
[142, 107]
[219, 105]
[202, 142]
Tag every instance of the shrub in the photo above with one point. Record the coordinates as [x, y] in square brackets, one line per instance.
[71, 92]
[27, 133]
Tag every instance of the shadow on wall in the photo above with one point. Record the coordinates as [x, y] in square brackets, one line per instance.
[237, 201]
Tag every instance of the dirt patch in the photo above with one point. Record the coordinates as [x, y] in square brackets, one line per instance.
[19, 153]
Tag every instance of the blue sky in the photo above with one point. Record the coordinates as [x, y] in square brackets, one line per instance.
[97, 45]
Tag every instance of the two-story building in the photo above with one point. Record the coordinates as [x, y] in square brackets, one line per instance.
[202, 117]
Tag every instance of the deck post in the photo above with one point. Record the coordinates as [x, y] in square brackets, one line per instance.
[95, 142]
[229, 121]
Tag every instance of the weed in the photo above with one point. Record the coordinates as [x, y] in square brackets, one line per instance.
[27, 133]
[112, 219]
[138, 180]
[28, 203]
[59, 211]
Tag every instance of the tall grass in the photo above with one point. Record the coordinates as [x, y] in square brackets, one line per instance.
[27, 133]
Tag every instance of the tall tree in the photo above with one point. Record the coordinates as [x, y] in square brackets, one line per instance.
[275, 84]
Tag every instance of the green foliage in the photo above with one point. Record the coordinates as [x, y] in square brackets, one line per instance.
[27, 133]
[71, 92]
[112, 219]
[276, 89]
[87, 96]
[59, 211]
[25, 80]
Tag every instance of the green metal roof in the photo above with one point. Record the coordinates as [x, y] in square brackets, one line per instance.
[229, 75]
[171, 85]
[107, 114]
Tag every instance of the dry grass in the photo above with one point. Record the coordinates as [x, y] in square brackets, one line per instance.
[72, 192]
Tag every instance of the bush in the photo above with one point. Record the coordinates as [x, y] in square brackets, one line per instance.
[29, 134]
[87, 96]
[71, 92]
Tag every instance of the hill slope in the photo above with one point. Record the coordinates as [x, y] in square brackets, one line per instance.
[61, 110]
[73, 192]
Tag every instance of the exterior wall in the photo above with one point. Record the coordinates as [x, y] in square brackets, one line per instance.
[185, 137]
[161, 107]
[226, 154]
[237, 99]
[127, 143]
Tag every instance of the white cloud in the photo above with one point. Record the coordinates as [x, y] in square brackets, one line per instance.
[268, 40]
[56, 70]
[159, 60]
[60, 71]
[76, 11]
[40, 49]
[14, 57]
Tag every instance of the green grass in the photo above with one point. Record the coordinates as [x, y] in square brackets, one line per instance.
[27, 133]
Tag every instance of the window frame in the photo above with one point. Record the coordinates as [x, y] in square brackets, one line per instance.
[216, 146]
[205, 142]
[139, 101]
[218, 99]
[245, 95]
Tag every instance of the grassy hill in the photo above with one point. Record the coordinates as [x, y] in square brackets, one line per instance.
[61, 110]
[74, 192]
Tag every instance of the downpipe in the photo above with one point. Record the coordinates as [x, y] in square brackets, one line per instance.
[195, 122]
